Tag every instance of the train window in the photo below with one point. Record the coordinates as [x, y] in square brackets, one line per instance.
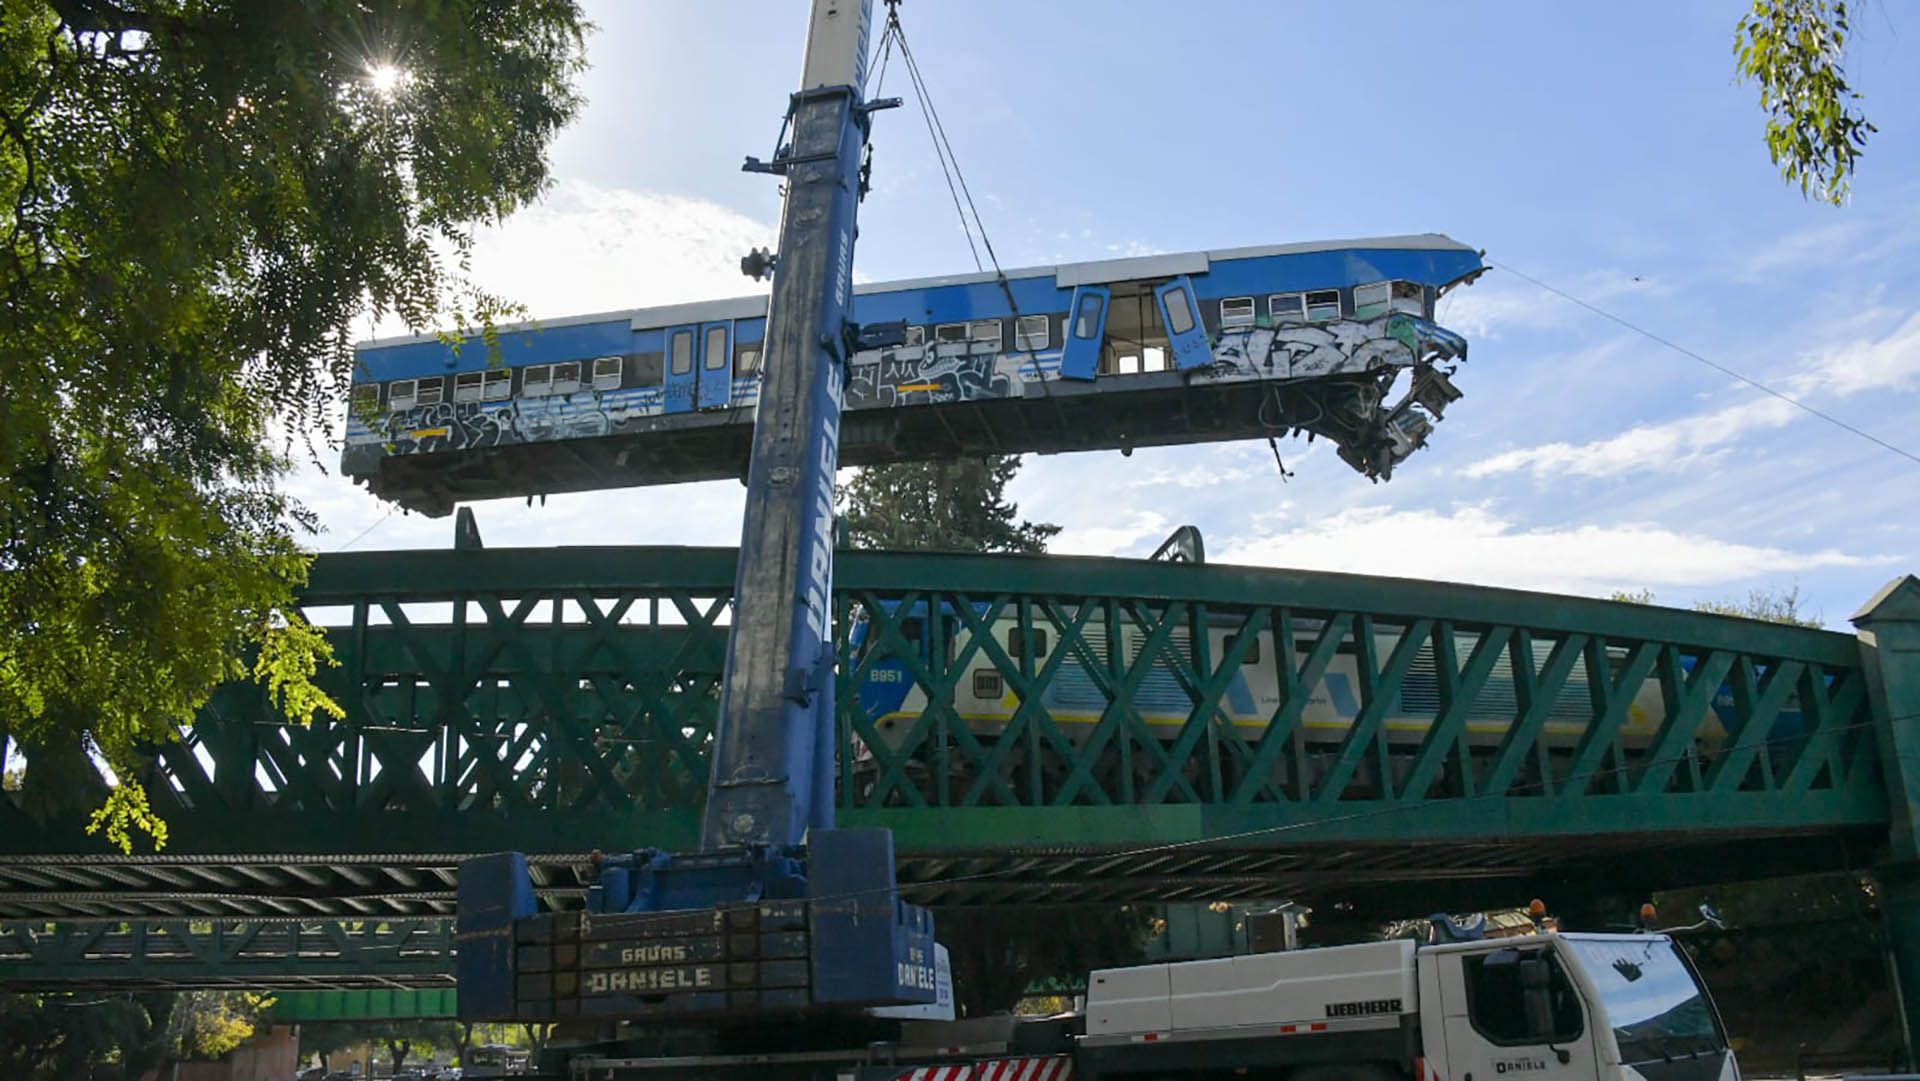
[987, 684]
[1236, 312]
[428, 392]
[1323, 305]
[716, 355]
[606, 372]
[1409, 297]
[1371, 299]
[366, 398]
[1287, 307]
[748, 363]
[681, 353]
[1086, 321]
[1253, 652]
[536, 380]
[950, 332]
[984, 330]
[1016, 640]
[566, 377]
[916, 336]
[1179, 311]
[497, 385]
[400, 394]
[466, 386]
[1031, 332]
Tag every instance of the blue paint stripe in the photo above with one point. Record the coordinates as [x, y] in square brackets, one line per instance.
[1253, 276]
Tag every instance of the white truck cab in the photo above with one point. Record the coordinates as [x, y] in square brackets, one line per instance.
[1540, 1007]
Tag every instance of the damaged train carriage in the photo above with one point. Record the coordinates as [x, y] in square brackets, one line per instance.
[1332, 339]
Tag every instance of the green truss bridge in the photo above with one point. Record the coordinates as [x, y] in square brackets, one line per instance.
[1071, 729]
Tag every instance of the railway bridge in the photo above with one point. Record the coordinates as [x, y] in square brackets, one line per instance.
[1498, 744]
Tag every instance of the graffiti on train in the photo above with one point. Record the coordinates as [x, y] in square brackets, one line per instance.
[463, 425]
[1317, 350]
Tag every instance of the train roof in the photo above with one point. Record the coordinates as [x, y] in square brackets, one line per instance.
[1065, 275]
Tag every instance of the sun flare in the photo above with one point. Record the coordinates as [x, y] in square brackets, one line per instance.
[386, 79]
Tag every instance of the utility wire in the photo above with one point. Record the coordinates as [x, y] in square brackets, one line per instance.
[362, 535]
[1715, 365]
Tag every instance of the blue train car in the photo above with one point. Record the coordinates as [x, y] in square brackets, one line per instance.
[1335, 339]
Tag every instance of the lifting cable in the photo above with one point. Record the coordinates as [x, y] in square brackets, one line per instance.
[957, 189]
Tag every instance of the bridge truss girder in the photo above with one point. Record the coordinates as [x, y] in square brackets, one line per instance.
[550, 701]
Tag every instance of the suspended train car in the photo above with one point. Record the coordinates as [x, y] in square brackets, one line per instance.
[1335, 339]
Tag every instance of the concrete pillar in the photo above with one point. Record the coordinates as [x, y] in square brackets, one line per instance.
[1889, 630]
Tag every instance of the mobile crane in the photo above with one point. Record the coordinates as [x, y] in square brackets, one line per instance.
[793, 932]
[779, 911]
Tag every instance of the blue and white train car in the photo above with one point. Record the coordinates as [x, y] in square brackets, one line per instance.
[1335, 339]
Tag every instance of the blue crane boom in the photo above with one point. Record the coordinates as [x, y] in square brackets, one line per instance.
[779, 911]
[773, 759]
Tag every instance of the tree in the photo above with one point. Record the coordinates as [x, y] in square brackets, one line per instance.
[955, 505]
[197, 202]
[998, 952]
[1772, 604]
[1815, 131]
[59, 1036]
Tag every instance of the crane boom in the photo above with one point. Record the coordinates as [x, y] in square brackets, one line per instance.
[778, 911]
[773, 745]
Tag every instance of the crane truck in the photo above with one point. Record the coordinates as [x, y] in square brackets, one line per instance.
[1545, 1006]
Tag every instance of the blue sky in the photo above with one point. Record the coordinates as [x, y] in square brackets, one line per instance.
[1605, 149]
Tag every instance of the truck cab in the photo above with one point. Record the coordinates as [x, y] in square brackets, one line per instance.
[1561, 1007]
[1538, 1007]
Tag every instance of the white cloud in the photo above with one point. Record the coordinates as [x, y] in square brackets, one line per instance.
[1475, 544]
[585, 248]
[1129, 535]
[1889, 363]
[1642, 447]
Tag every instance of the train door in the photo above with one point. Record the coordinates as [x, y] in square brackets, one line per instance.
[716, 365]
[1186, 335]
[681, 380]
[1086, 331]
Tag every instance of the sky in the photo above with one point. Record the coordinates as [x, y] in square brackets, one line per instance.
[1605, 150]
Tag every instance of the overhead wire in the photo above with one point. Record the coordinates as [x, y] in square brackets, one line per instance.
[1715, 365]
[362, 535]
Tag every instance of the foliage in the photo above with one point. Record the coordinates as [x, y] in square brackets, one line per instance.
[57, 1037]
[1815, 130]
[954, 505]
[197, 202]
[1772, 604]
[208, 1024]
[400, 1039]
[997, 952]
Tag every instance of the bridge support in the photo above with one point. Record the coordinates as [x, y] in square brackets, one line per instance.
[1889, 629]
